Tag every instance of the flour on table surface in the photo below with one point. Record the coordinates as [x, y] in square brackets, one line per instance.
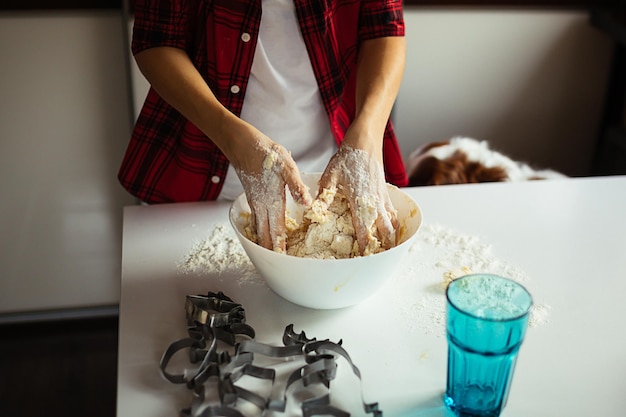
[438, 256]
[220, 252]
[539, 315]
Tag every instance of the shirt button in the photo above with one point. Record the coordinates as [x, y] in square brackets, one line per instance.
[234, 89]
[245, 37]
[215, 179]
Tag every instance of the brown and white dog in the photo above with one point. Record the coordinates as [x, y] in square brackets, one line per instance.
[462, 160]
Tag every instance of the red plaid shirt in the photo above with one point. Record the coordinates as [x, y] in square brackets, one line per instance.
[169, 159]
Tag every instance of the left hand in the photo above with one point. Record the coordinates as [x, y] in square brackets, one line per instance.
[361, 178]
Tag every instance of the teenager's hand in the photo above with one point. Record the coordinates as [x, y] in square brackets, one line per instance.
[360, 177]
[265, 170]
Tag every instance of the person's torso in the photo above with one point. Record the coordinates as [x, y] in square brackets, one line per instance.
[282, 98]
[168, 159]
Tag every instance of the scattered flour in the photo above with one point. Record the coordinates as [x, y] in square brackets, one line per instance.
[539, 315]
[438, 256]
[220, 253]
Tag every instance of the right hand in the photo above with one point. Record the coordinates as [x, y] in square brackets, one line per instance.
[264, 169]
[361, 178]
[263, 166]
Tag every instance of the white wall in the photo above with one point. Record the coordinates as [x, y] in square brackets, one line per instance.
[64, 124]
[531, 83]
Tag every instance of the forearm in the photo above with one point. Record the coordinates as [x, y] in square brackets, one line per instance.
[380, 68]
[174, 77]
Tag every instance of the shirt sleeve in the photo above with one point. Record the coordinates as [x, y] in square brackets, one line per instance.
[163, 23]
[381, 18]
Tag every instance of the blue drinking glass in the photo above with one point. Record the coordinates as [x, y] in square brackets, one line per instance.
[487, 317]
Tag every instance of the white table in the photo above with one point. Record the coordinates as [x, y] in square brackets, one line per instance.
[568, 236]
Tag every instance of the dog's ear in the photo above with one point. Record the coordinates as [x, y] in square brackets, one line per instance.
[422, 173]
[476, 172]
[456, 169]
[433, 171]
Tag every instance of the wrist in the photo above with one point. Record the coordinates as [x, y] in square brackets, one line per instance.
[233, 136]
[366, 137]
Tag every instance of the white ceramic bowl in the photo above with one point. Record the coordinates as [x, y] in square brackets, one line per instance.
[328, 283]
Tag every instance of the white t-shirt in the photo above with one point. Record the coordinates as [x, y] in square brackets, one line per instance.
[282, 98]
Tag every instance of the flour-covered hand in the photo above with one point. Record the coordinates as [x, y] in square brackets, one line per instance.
[268, 168]
[360, 177]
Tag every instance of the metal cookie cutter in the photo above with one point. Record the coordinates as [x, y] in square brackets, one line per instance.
[210, 319]
[215, 321]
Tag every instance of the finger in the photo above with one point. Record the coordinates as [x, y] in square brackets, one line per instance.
[363, 218]
[263, 228]
[276, 221]
[252, 223]
[327, 187]
[387, 221]
[299, 191]
[330, 177]
[393, 214]
[386, 231]
[362, 233]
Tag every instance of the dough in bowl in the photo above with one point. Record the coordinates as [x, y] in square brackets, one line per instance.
[327, 233]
